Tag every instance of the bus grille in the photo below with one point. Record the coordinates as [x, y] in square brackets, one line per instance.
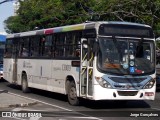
[127, 80]
[127, 93]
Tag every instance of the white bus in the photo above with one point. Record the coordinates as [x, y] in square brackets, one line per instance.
[96, 60]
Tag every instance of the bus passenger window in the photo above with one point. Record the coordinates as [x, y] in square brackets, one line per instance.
[34, 47]
[77, 53]
[25, 52]
[47, 46]
[7, 53]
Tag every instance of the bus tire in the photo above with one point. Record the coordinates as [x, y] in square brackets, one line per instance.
[25, 88]
[72, 94]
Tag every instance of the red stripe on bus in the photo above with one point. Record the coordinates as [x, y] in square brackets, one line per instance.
[49, 31]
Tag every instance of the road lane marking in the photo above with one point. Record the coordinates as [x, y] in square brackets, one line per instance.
[19, 109]
[93, 118]
[54, 106]
[85, 117]
[66, 118]
[18, 118]
[155, 108]
[40, 101]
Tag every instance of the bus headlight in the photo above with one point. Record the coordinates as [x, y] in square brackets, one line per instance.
[102, 82]
[150, 84]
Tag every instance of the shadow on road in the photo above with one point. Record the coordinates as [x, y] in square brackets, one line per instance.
[2, 80]
[158, 91]
[115, 104]
[89, 103]
[44, 93]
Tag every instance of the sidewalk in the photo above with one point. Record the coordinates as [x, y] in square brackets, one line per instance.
[11, 100]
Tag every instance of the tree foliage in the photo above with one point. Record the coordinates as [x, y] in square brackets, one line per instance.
[52, 13]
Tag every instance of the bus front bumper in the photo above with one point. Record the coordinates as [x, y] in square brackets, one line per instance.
[101, 93]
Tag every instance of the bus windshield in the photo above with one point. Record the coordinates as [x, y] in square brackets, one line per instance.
[126, 56]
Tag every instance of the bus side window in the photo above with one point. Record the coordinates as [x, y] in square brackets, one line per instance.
[34, 46]
[59, 49]
[47, 46]
[77, 53]
[8, 49]
[42, 46]
[72, 45]
[76, 39]
[25, 52]
[7, 53]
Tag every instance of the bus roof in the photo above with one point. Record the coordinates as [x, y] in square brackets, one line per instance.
[67, 28]
[126, 23]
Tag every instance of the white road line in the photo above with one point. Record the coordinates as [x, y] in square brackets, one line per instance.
[34, 118]
[93, 118]
[155, 108]
[53, 105]
[18, 118]
[19, 109]
[40, 101]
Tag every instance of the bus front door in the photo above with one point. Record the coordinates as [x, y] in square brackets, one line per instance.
[86, 70]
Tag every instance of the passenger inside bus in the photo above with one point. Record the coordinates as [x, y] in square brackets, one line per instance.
[77, 53]
[25, 52]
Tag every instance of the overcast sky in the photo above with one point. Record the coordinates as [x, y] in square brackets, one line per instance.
[6, 10]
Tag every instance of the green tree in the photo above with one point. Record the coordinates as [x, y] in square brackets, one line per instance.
[45, 14]
[53, 13]
[140, 11]
[13, 24]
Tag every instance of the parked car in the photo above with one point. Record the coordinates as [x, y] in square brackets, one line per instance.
[1, 71]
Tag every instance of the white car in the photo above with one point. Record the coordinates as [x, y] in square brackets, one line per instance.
[1, 71]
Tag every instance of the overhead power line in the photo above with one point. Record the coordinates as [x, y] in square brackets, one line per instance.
[5, 1]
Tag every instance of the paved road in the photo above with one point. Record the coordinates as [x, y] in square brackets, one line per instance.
[58, 106]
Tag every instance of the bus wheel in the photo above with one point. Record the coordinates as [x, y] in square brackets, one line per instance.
[25, 88]
[72, 94]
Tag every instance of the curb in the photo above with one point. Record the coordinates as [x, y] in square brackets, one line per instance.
[23, 104]
[18, 105]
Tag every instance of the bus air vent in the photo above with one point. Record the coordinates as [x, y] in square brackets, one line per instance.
[127, 93]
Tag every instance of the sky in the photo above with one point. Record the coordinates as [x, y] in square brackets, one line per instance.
[6, 10]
